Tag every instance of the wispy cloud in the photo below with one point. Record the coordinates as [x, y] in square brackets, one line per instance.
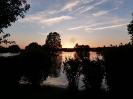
[42, 18]
[76, 10]
[69, 6]
[119, 2]
[43, 27]
[75, 28]
[107, 27]
[102, 12]
[92, 6]
[54, 20]
[96, 24]
[42, 33]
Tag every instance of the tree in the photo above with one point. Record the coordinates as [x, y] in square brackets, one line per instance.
[9, 12]
[53, 41]
[33, 45]
[130, 29]
[14, 48]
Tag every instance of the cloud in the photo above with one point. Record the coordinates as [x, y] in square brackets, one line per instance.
[83, 2]
[54, 20]
[86, 1]
[107, 27]
[92, 6]
[41, 18]
[34, 17]
[75, 28]
[102, 12]
[69, 6]
[119, 2]
[76, 10]
[43, 27]
[43, 33]
[96, 24]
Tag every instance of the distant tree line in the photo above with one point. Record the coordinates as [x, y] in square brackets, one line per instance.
[11, 49]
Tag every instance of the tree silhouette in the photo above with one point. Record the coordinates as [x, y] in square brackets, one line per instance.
[130, 29]
[33, 45]
[34, 64]
[9, 11]
[14, 48]
[53, 41]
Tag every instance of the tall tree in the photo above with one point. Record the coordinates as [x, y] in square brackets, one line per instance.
[9, 12]
[130, 29]
[53, 41]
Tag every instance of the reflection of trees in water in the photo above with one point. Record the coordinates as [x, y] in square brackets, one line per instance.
[72, 69]
[92, 71]
[82, 55]
[34, 65]
[93, 74]
[55, 68]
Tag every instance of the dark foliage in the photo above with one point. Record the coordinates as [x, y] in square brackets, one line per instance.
[53, 41]
[118, 66]
[9, 71]
[34, 65]
[33, 45]
[14, 49]
[3, 49]
[130, 29]
[10, 9]
[91, 70]
[72, 68]
[9, 12]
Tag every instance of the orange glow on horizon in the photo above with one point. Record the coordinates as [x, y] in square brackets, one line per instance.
[67, 46]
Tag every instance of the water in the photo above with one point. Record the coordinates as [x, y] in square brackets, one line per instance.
[59, 79]
[8, 54]
[62, 81]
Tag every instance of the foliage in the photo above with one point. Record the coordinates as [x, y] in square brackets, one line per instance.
[118, 63]
[130, 29]
[3, 49]
[91, 70]
[53, 41]
[14, 48]
[72, 68]
[81, 47]
[33, 45]
[10, 71]
[34, 65]
[10, 10]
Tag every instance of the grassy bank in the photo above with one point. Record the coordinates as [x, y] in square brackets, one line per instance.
[45, 92]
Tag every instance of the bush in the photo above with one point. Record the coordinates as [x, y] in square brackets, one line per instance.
[34, 65]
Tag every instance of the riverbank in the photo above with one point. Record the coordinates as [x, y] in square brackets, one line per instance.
[45, 92]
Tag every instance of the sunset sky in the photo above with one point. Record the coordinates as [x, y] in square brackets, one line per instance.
[91, 22]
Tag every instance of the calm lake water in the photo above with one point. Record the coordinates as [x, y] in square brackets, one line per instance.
[59, 79]
[62, 81]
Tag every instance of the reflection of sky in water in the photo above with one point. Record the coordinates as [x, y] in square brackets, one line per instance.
[8, 54]
[61, 81]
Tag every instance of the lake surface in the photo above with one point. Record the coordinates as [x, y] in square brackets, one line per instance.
[59, 78]
[62, 81]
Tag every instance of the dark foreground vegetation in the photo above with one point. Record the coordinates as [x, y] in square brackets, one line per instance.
[33, 66]
[46, 92]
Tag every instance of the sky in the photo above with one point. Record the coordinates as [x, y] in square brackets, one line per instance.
[90, 22]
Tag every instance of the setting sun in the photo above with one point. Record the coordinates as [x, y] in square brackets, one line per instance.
[69, 46]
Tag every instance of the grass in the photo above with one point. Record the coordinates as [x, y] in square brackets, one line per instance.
[43, 92]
